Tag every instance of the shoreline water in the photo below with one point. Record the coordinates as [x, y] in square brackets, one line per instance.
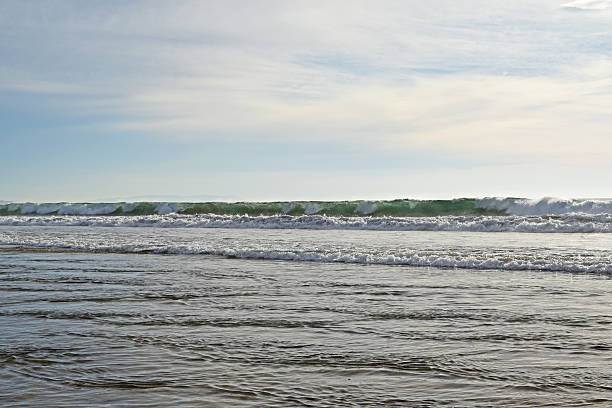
[578, 253]
[97, 329]
[235, 310]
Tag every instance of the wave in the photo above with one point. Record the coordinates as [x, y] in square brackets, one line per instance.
[545, 206]
[441, 259]
[567, 223]
[332, 208]
[389, 208]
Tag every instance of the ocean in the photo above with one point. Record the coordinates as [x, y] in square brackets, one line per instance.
[460, 303]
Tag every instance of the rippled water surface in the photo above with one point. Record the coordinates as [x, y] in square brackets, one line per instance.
[94, 316]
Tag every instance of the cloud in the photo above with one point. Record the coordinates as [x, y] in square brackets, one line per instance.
[473, 115]
[588, 5]
[402, 76]
[523, 87]
[40, 87]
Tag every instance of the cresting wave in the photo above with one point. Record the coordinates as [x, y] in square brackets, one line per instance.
[568, 223]
[391, 208]
[403, 208]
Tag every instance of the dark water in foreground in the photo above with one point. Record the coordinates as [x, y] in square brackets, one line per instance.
[142, 329]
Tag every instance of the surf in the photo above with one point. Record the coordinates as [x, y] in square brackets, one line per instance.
[492, 206]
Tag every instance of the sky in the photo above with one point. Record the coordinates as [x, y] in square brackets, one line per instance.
[304, 100]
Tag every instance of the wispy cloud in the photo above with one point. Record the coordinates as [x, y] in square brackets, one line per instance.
[470, 114]
[588, 5]
[493, 79]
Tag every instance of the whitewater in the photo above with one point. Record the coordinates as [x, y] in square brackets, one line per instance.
[468, 302]
[578, 253]
[477, 215]
[580, 228]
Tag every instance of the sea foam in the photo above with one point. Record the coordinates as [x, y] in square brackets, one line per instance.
[566, 223]
[440, 259]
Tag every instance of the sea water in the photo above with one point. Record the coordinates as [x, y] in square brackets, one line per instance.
[173, 310]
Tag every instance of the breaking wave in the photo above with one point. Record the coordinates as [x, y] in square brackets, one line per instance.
[594, 263]
[390, 208]
[568, 223]
[465, 214]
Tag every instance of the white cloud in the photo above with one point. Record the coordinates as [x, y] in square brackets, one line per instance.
[588, 5]
[473, 115]
[404, 75]
[13, 81]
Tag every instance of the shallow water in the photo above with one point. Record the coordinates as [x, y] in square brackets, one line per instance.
[93, 316]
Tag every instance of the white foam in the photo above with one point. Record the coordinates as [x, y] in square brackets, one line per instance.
[581, 264]
[545, 206]
[87, 209]
[571, 223]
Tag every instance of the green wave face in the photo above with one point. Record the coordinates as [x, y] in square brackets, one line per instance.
[10, 209]
[430, 208]
[395, 208]
[232, 208]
